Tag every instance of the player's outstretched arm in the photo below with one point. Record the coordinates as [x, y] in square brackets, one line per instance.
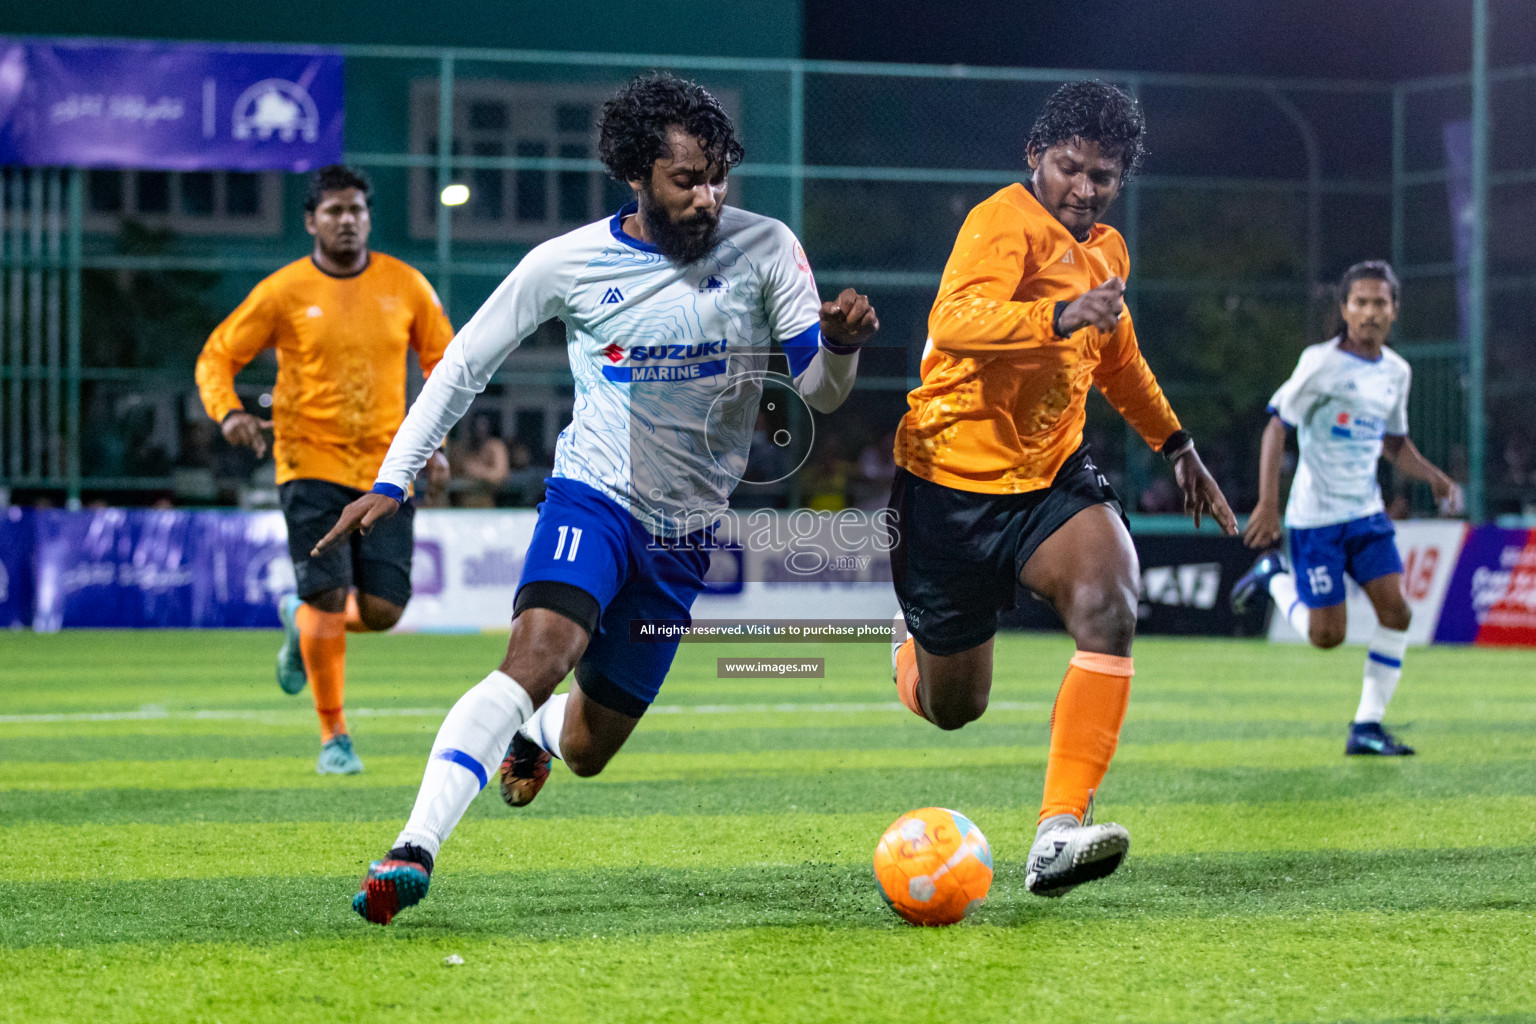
[358, 517]
[1264, 522]
[1202, 496]
[1406, 457]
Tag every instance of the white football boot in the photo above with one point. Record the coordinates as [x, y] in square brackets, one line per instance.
[1067, 854]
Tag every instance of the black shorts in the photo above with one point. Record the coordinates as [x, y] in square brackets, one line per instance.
[956, 556]
[378, 563]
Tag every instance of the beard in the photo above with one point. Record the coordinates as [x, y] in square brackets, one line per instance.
[682, 242]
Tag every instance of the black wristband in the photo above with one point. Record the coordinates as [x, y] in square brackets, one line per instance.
[1056, 320]
[1177, 444]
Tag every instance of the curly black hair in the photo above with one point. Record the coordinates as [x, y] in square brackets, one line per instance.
[1097, 112]
[334, 178]
[633, 129]
[1369, 270]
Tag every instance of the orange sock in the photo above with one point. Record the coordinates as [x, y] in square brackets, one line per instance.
[323, 641]
[355, 617]
[906, 677]
[1085, 728]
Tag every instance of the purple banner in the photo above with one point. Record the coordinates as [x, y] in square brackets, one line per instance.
[15, 567]
[127, 568]
[171, 106]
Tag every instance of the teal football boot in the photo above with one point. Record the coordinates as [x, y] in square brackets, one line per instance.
[338, 758]
[290, 659]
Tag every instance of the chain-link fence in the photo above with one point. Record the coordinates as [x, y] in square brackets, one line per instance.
[1256, 194]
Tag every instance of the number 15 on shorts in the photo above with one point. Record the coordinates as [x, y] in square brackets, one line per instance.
[574, 533]
[1318, 578]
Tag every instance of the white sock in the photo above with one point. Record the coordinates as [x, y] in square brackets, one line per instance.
[1383, 668]
[545, 725]
[468, 750]
[1282, 587]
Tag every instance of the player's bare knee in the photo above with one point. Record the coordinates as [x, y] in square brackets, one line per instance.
[539, 657]
[1398, 617]
[1325, 637]
[1103, 618]
[379, 616]
[958, 710]
[584, 763]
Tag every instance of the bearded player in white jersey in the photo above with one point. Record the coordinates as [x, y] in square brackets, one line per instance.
[670, 308]
[1348, 403]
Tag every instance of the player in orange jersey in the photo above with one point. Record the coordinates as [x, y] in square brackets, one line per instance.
[995, 487]
[341, 320]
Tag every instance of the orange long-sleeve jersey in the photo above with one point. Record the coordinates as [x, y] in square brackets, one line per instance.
[341, 345]
[1001, 405]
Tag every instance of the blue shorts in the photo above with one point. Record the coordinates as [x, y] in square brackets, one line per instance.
[1366, 549]
[586, 539]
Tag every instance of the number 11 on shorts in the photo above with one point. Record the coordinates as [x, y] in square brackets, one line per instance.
[575, 531]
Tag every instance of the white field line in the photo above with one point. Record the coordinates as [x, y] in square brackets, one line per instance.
[160, 714]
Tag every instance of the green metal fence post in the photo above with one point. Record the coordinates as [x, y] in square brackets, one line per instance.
[54, 464]
[444, 179]
[72, 337]
[1477, 283]
[1136, 455]
[797, 148]
[1399, 166]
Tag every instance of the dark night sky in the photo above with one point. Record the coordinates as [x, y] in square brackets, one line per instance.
[1384, 40]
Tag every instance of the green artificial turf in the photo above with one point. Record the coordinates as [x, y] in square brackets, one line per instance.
[170, 854]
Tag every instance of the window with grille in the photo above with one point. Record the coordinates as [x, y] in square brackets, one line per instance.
[186, 202]
[493, 118]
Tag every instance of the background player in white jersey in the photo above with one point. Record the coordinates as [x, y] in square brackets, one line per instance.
[1348, 403]
[670, 308]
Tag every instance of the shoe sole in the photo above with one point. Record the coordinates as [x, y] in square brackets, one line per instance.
[390, 891]
[509, 784]
[1089, 861]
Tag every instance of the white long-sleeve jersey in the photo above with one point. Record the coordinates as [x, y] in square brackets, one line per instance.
[669, 361]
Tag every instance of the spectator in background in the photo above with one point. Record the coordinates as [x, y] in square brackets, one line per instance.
[1160, 496]
[525, 481]
[1517, 462]
[825, 481]
[876, 469]
[481, 464]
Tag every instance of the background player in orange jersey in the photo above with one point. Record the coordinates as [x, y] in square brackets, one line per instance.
[995, 486]
[341, 320]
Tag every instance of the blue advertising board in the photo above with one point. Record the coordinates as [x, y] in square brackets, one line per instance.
[168, 106]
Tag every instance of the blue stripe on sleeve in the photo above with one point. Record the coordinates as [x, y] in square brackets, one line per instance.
[801, 349]
[389, 491]
[463, 760]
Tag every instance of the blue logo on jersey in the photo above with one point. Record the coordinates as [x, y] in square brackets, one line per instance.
[665, 362]
[712, 283]
[611, 296]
